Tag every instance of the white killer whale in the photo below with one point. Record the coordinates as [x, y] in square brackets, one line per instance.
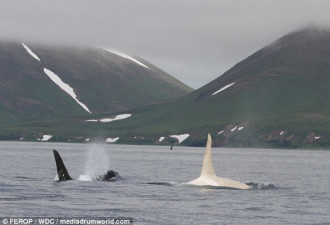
[208, 176]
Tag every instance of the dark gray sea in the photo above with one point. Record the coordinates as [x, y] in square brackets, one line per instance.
[290, 186]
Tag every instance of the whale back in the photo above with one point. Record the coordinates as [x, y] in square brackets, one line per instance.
[207, 167]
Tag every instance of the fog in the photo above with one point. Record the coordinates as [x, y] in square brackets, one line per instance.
[194, 41]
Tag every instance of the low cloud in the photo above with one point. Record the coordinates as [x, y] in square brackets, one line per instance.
[195, 41]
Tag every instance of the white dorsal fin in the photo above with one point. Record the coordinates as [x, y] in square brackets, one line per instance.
[208, 176]
[207, 168]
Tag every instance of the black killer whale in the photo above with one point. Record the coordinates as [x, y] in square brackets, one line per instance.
[63, 174]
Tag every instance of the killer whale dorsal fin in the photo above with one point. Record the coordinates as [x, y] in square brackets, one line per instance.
[207, 167]
[208, 176]
[62, 173]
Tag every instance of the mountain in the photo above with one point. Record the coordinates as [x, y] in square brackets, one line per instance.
[277, 97]
[47, 82]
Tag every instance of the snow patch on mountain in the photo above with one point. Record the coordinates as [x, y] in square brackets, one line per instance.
[118, 117]
[223, 88]
[127, 57]
[108, 120]
[233, 129]
[112, 140]
[180, 137]
[45, 137]
[161, 139]
[92, 120]
[31, 52]
[65, 87]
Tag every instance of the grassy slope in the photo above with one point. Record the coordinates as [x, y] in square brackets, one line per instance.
[282, 87]
[105, 81]
[25, 90]
[101, 80]
[166, 77]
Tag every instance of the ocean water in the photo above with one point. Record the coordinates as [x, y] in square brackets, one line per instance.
[291, 186]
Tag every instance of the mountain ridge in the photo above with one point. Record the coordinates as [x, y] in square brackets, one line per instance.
[100, 79]
[273, 90]
[275, 97]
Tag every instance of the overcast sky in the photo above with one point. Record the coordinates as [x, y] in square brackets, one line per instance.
[194, 41]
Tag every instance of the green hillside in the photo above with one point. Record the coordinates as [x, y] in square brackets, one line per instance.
[101, 80]
[277, 97]
[25, 91]
[109, 82]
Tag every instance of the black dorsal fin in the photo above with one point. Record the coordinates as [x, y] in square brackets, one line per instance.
[63, 174]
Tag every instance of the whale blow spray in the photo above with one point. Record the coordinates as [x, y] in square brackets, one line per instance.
[97, 162]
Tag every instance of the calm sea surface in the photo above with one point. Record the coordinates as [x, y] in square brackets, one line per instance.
[150, 191]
